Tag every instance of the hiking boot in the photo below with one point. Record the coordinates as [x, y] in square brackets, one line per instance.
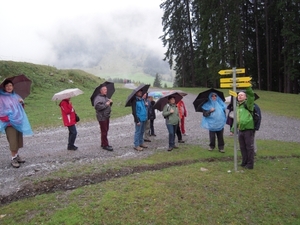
[20, 160]
[175, 146]
[14, 163]
[74, 148]
[210, 149]
[147, 140]
[181, 141]
[138, 148]
[170, 149]
[108, 148]
[143, 146]
[222, 151]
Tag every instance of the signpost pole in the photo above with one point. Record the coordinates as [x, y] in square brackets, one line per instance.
[234, 119]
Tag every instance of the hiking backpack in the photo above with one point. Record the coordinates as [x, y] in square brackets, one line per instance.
[256, 114]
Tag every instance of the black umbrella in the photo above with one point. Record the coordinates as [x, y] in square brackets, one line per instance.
[143, 87]
[203, 97]
[198, 103]
[161, 102]
[110, 90]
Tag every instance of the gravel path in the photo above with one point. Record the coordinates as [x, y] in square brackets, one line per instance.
[46, 150]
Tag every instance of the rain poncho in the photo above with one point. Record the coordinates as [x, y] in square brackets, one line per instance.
[13, 111]
[216, 120]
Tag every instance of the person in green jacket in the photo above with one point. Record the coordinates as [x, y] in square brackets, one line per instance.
[245, 125]
[170, 113]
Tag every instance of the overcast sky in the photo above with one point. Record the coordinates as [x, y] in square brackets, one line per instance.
[41, 31]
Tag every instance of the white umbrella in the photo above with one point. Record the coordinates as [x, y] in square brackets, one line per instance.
[68, 93]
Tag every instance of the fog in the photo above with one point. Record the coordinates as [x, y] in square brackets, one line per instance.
[69, 34]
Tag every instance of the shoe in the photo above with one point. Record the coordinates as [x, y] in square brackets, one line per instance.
[184, 134]
[242, 165]
[222, 151]
[175, 146]
[181, 141]
[153, 135]
[20, 160]
[170, 149]
[248, 167]
[143, 146]
[147, 140]
[138, 148]
[210, 149]
[108, 148]
[74, 148]
[14, 163]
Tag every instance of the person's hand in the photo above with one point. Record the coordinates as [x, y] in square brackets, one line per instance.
[212, 109]
[21, 100]
[138, 123]
[109, 102]
[171, 110]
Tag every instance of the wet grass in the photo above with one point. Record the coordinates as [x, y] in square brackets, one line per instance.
[179, 194]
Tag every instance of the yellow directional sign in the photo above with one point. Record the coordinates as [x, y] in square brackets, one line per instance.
[232, 93]
[227, 72]
[238, 79]
[229, 85]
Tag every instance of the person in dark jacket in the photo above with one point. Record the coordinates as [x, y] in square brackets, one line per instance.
[245, 125]
[151, 115]
[102, 106]
[69, 120]
[147, 123]
[139, 112]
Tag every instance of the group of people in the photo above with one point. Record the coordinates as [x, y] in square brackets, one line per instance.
[214, 120]
[14, 121]
[144, 113]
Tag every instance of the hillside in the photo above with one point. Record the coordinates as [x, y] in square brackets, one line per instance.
[45, 77]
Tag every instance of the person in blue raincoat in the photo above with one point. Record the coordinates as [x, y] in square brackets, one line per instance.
[214, 119]
[13, 121]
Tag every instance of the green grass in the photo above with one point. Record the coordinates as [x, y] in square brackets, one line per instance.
[177, 195]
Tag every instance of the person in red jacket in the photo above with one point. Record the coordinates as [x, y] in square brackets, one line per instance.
[182, 114]
[69, 120]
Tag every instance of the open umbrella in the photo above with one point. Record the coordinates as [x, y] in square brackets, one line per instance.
[110, 90]
[155, 94]
[198, 103]
[143, 87]
[203, 97]
[68, 93]
[182, 93]
[21, 85]
[161, 102]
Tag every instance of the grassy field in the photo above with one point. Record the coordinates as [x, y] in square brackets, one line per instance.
[201, 191]
[196, 187]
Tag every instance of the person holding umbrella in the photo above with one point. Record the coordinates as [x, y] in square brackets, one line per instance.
[69, 120]
[170, 113]
[13, 120]
[140, 115]
[214, 119]
[102, 105]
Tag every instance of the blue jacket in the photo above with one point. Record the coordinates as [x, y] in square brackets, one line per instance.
[139, 110]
